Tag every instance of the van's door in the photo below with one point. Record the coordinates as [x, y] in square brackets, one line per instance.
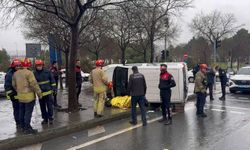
[120, 81]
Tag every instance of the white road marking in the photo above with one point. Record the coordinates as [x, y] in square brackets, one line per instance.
[111, 135]
[234, 112]
[228, 107]
[96, 130]
[238, 100]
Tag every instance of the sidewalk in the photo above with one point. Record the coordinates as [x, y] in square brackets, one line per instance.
[63, 122]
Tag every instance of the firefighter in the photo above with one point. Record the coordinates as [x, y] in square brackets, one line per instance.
[78, 81]
[165, 85]
[48, 86]
[55, 72]
[24, 82]
[100, 82]
[200, 90]
[11, 93]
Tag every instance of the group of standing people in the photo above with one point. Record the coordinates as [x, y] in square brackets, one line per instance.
[137, 88]
[205, 79]
[22, 85]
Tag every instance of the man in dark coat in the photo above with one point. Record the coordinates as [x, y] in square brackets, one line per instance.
[166, 83]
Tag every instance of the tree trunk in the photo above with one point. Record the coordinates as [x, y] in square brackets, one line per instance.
[152, 48]
[123, 56]
[59, 68]
[145, 55]
[72, 98]
[66, 67]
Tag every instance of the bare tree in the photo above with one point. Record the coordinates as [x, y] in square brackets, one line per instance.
[154, 15]
[73, 13]
[214, 26]
[122, 27]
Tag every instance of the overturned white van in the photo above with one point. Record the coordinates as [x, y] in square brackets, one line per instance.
[119, 75]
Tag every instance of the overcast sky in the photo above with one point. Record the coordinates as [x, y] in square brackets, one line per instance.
[13, 40]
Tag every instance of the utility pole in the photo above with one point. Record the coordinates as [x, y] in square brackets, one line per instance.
[165, 48]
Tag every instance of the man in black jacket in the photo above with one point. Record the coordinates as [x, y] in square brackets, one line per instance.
[210, 82]
[223, 81]
[137, 89]
[165, 85]
[78, 80]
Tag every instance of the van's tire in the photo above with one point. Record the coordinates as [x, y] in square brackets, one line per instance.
[232, 91]
[191, 79]
[154, 106]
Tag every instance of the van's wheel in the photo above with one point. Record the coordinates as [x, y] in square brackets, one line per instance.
[191, 79]
[232, 91]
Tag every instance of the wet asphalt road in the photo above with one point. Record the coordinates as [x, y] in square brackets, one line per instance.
[227, 127]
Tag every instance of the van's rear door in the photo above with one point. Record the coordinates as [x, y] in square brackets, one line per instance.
[120, 81]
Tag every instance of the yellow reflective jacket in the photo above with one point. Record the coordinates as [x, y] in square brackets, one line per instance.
[200, 82]
[99, 80]
[26, 85]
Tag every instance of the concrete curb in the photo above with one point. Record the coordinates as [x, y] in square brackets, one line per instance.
[24, 140]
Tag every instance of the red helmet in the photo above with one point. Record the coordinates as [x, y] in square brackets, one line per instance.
[26, 63]
[203, 66]
[99, 62]
[39, 62]
[15, 63]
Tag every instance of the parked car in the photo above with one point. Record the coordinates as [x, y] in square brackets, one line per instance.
[2, 90]
[240, 81]
[85, 76]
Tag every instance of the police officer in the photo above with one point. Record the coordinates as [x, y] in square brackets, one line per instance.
[48, 86]
[223, 81]
[137, 89]
[165, 85]
[100, 82]
[200, 90]
[24, 82]
[210, 81]
[55, 72]
[11, 92]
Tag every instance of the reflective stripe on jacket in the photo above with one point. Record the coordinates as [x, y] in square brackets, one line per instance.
[26, 85]
[46, 81]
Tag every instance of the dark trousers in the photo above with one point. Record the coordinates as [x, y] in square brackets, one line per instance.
[141, 101]
[165, 103]
[201, 100]
[210, 88]
[46, 106]
[25, 113]
[15, 105]
[55, 95]
[223, 89]
[78, 91]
